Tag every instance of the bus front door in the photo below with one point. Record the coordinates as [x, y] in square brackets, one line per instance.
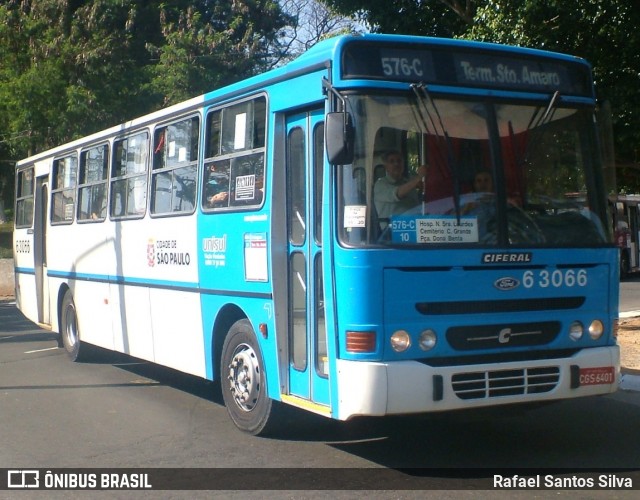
[308, 371]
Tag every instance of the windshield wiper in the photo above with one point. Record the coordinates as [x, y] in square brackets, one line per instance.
[436, 125]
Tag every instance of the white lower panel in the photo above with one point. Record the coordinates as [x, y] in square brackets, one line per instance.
[377, 388]
[177, 330]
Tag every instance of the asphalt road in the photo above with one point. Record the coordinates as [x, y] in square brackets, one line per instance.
[120, 412]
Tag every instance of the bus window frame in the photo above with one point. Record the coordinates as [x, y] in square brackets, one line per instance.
[153, 171]
[57, 190]
[113, 179]
[24, 197]
[228, 158]
[104, 182]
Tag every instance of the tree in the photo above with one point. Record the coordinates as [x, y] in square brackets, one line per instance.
[212, 44]
[444, 18]
[72, 67]
[309, 23]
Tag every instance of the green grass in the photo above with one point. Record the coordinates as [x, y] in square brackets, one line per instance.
[6, 240]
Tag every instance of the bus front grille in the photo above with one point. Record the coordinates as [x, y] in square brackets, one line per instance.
[500, 383]
[502, 336]
[499, 306]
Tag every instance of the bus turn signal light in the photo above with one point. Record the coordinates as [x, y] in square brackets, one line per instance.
[361, 341]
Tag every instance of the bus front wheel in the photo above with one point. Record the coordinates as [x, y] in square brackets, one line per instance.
[243, 381]
[69, 328]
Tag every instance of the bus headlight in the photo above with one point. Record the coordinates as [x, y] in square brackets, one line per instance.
[596, 329]
[427, 340]
[400, 341]
[576, 330]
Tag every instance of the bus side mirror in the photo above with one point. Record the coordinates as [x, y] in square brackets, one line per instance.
[339, 134]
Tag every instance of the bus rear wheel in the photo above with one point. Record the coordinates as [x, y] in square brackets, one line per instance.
[244, 383]
[69, 328]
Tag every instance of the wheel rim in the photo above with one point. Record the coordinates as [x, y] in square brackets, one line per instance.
[71, 326]
[244, 377]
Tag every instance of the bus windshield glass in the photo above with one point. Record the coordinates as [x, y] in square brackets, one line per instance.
[443, 171]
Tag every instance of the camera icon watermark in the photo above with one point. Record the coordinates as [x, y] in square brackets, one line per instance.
[23, 479]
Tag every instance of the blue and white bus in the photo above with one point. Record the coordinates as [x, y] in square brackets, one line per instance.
[237, 236]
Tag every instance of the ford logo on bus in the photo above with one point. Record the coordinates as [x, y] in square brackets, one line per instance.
[506, 284]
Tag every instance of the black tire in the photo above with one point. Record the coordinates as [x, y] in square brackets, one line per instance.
[244, 382]
[69, 330]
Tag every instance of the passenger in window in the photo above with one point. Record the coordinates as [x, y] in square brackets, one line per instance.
[394, 193]
[220, 199]
[217, 188]
[483, 182]
[482, 193]
[259, 192]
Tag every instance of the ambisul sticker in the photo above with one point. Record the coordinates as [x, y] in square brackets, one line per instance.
[507, 257]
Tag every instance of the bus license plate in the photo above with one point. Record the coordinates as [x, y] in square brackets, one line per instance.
[597, 376]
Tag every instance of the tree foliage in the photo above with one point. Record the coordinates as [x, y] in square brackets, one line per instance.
[310, 21]
[71, 67]
[204, 48]
[444, 18]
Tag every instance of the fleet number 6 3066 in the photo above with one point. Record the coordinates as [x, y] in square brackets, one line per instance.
[556, 279]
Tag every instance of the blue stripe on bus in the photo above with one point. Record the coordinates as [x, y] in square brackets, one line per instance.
[159, 284]
[24, 270]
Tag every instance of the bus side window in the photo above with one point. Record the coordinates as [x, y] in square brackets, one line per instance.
[175, 164]
[92, 184]
[63, 192]
[24, 198]
[235, 156]
[129, 176]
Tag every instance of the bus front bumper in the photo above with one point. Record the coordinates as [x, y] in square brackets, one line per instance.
[399, 387]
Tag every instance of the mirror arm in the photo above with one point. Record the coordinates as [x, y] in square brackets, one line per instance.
[327, 87]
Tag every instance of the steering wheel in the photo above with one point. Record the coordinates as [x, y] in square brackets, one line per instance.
[522, 229]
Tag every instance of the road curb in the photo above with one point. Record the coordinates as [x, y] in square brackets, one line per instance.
[629, 314]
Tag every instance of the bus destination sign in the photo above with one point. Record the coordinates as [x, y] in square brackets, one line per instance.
[473, 69]
[449, 66]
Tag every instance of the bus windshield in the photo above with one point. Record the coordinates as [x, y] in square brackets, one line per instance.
[447, 171]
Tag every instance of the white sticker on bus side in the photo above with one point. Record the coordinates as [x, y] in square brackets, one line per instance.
[255, 257]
